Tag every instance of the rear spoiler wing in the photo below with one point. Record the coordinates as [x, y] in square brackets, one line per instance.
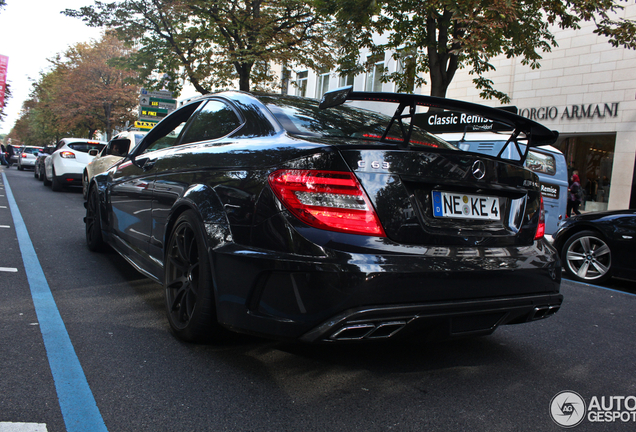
[535, 133]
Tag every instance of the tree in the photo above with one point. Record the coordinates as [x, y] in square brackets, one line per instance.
[215, 43]
[438, 37]
[82, 93]
[95, 93]
[7, 96]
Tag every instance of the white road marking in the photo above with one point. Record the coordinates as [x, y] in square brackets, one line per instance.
[8, 269]
[22, 427]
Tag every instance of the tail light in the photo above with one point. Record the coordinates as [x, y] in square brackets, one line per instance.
[328, 200]
[67, 155]
[23, 155]
[541, 227]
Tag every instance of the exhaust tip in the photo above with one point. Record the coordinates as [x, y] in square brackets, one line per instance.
[359, 331]
[541, 312]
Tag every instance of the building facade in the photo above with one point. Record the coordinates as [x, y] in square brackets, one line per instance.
[585, 89]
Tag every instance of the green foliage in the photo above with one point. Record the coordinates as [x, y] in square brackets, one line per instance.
[80, 94]
[437, 37]
[7, 96]
[213, 44]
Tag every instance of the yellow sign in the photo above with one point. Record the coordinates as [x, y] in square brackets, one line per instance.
[145, 124]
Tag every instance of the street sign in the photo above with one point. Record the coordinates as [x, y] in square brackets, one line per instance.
[150, 113]
[155, 105]
[158, 94]
[154, 102]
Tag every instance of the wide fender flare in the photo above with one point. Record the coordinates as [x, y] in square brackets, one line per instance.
[206, 204]
[99, 182]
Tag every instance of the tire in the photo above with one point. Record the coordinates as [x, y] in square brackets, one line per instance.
[35, 172]
[44, 179]
[188, 284]
[20, 167]
[85, 185]
[94, 238]
[56, 184]
[587, 257]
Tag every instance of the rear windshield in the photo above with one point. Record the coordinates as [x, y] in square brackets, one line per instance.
[541, 163]
[31, 150]
[86, 146]
[303, 117]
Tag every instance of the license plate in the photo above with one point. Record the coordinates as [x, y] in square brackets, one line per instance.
[464, 206]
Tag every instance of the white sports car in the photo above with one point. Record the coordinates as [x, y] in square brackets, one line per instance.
[66, 165]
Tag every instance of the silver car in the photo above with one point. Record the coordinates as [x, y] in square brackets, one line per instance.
[26, 156]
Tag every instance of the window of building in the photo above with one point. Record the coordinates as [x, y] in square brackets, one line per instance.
[592, 156]
[345, 80]
[301, 83]
[405, 65]
[284, 82]
[373, 83]
[322, 86]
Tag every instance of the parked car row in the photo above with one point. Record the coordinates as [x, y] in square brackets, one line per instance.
[73, 161]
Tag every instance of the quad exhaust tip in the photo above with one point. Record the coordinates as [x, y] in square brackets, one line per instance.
[541, 312]
[361, 331]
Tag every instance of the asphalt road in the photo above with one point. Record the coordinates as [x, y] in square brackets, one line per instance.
[143, 379]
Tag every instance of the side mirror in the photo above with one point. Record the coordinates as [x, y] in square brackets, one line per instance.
[119, 147]
[93, 152]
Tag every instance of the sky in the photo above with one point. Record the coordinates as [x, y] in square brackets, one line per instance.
[32, 31]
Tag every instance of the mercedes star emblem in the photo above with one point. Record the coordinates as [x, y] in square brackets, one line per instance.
[479, 170]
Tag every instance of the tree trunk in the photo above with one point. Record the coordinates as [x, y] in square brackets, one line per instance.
[442, 63]
[108, 123]
[244, 70]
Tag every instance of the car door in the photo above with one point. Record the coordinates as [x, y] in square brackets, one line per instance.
[183, 166]
[131, 189]
[624, 240]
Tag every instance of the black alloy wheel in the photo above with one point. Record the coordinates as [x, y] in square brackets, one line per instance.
[188, 283]
[587, 257]
[94, 238]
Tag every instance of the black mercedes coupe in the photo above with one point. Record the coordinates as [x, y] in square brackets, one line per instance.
[596, 246]
[314, 221]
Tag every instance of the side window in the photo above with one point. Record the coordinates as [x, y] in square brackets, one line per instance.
[168, 140]
[167, 132]
[215, 120]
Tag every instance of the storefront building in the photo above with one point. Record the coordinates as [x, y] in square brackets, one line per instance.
[585, 89]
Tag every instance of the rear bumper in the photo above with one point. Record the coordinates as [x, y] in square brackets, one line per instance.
[435, 320]
[347, 296]
[70, 179]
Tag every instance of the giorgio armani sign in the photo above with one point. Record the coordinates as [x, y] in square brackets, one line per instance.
[572, 112]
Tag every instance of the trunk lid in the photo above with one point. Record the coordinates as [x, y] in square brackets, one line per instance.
[448, 197]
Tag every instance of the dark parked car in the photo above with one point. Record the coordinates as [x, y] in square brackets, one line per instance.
[597, 246]
[270, 215]
[38, 168]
